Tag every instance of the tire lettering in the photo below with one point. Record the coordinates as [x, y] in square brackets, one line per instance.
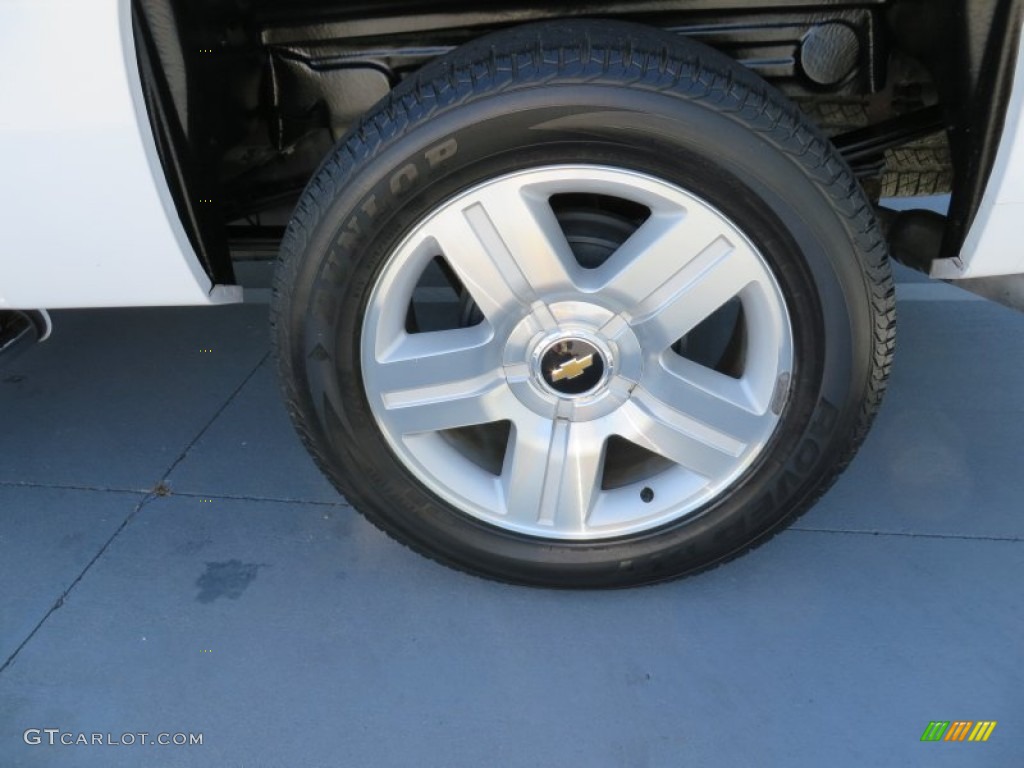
[825, 419]
[404, 178]
[325, 305]
[807, 455]
[786, 484]
[369, 206]
[332, 266]
[348, 235]
[803, 459]
[763, 506]
[443, 151]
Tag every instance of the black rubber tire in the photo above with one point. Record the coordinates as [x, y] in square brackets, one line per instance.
[633, 97]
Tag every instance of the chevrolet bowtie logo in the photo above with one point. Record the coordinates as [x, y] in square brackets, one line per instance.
[572, 368]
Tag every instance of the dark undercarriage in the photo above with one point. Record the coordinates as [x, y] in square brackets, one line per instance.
[248, 96]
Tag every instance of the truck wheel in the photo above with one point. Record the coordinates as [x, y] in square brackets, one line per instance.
[583, 305]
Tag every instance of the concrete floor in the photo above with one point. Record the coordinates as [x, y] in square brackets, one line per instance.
[246, 601]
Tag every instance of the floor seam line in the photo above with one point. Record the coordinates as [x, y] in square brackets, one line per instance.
[64, 595]
[233, 497]
[213, 419]
[953, 536]
[70, 487]
[155, 493]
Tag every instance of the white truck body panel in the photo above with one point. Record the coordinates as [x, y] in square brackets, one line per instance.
[87, 217]
[995, 242]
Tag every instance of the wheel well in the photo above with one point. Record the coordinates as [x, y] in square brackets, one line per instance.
[247, 96]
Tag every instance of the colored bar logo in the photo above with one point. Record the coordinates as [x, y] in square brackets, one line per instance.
[958, 730]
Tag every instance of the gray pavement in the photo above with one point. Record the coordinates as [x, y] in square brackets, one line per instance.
[173, 562]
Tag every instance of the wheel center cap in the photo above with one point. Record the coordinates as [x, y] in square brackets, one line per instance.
[572, 360]
[572, 366]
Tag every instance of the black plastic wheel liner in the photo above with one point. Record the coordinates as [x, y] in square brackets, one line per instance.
[191, 188]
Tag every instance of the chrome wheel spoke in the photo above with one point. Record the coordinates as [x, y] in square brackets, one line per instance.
[675, 271]
[720, 402]
[442, 380]
[476, 404]
[675, 436]
[553, 473]
[508, 249]
[702, 429]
